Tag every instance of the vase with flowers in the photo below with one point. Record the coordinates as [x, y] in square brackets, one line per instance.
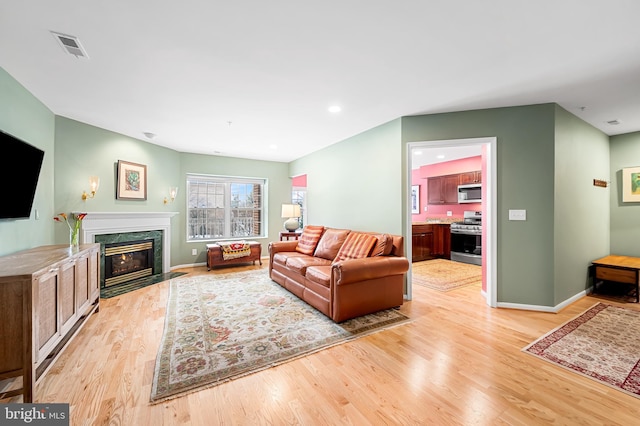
[74, 230]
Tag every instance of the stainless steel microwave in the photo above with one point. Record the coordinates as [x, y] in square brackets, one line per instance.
[470, 193]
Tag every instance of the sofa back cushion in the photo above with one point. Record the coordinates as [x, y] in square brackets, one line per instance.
[309, 239]
[356, 246]
[330, 243]
[383, 246]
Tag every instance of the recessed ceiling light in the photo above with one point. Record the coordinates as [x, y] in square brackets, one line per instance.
[334, 109]
[417, 152]
[440, 156]
[273, 146]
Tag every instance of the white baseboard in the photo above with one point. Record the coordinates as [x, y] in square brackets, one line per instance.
[540, 308]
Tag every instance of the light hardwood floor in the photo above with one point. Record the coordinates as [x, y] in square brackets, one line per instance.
[458, 363]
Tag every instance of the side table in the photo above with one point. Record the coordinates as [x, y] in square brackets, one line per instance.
[620, 269]
[286, 235]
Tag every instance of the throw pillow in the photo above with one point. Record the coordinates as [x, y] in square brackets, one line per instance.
[383, 246]
[309, 239]
[356, 246]
[330, 243]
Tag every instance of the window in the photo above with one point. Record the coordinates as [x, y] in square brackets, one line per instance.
[223, 207]
[298, 196]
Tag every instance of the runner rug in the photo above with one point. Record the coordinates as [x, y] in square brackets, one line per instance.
[445, 275]
[602, 343]
[221, 327]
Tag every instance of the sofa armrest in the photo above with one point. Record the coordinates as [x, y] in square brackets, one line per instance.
[278, 246]
[367, 268]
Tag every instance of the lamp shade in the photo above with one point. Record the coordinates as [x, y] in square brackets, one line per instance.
[290, 210]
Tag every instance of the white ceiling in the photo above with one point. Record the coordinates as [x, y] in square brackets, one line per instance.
[235, 78]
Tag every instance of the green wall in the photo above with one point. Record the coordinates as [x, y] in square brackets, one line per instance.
[582, 155]
[357, 183]
[83, 150]
[625, 217]
[25, 117]
[525, 161]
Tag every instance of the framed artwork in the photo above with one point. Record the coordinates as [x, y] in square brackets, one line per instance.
[415, 199]
[631, 185]
[131, 181]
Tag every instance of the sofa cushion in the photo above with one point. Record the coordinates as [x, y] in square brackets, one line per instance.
[319, 274]
[281, 258]
[309, 239]
[383, 246]
[299, 264]
[330, 243]
[356, 246]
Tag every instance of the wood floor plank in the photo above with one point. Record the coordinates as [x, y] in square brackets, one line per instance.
[459, 362]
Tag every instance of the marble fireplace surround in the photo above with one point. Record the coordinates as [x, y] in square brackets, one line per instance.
[99, 223]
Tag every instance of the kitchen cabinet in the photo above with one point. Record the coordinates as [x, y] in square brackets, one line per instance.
[442, 189]
[421, 242]
[441, 240]
[470, 177]
[46, 294]
[430, 241]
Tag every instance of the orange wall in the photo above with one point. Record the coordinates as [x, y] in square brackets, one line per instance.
[419, 176]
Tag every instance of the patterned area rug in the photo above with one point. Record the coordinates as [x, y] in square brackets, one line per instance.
[602, 343]
[221, 327]
[445, 275]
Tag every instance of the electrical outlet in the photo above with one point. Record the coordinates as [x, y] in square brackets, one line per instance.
[425, 208]
[449, 213]
[194, 252]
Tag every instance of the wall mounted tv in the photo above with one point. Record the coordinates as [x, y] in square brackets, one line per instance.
[19, 176]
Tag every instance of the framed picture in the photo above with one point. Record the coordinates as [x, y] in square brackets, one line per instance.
[132, 181]
[415, 199]
[631, 185]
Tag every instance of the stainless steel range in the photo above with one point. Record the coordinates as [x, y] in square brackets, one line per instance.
[466, 239]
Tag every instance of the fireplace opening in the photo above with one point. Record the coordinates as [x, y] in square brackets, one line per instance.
[127, 261]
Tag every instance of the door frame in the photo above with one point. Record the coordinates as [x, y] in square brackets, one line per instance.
[489, 209]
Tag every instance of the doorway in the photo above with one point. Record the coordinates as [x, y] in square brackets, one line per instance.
[488, 149]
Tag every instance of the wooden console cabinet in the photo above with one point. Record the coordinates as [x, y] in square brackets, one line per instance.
[46, 295]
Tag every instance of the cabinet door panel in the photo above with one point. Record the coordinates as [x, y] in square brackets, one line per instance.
[67, 282]
[82, 283]
[450, 189]
[46, 322]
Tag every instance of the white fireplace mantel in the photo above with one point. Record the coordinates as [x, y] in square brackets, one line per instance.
[99, 223]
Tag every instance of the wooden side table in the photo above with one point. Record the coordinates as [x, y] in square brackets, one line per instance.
[285, 235]
[620, 269]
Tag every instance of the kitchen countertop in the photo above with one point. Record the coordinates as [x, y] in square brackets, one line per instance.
[437, 220]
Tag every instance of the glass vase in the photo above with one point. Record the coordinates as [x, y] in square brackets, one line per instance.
[73, 239]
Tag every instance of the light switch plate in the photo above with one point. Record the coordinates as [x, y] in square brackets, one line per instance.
[517, 215]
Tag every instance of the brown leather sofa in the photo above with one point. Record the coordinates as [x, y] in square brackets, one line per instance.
[338, 279]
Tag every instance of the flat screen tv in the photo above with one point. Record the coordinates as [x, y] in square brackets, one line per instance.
[19, 176]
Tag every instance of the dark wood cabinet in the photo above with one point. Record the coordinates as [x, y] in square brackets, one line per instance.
[441, 240]
[421, 242]
[470, 177]
[442, 189]
[430, 241]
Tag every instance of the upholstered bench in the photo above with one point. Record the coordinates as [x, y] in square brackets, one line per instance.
[215, 256]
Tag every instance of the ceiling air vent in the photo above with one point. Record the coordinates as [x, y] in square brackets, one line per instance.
[70, 44]
[613, 122]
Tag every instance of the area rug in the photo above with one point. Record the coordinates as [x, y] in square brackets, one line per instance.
[221, 327]
[445, 275]
[602, 343]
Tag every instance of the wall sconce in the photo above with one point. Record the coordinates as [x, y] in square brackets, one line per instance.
[173, 192]
[292, 211]
[94, 183]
